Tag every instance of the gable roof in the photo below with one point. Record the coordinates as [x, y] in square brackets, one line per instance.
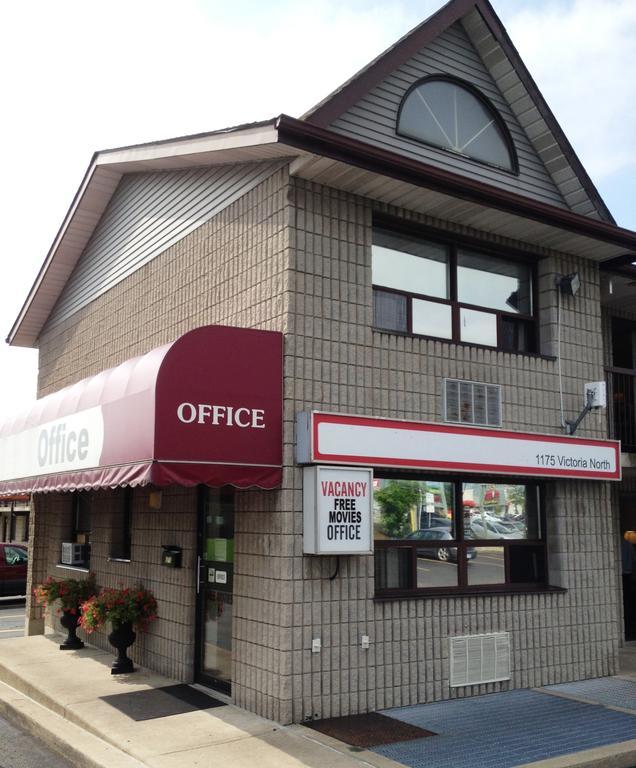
[501, 58]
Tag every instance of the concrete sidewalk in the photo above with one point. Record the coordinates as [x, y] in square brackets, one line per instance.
[65, 698]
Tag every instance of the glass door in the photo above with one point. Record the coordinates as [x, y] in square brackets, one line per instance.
[214, 586]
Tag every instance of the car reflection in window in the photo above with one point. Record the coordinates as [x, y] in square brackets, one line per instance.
[438, 550]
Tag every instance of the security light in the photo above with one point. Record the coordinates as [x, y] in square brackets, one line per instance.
[569, 284]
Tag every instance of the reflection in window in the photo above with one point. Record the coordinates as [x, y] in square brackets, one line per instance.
[439, 570]
[500, 511]
[409, 264]
[488, 567]
[478, 327]
[495, 283]
[436, 290]
[431, 318]
[435, 534]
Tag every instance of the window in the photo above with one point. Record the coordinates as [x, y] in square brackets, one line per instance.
[121, 528]
[82, 521]
[456, 117]
[454, 535]
[449, 292]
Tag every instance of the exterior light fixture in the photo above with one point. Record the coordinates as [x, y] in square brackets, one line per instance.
[569, 284]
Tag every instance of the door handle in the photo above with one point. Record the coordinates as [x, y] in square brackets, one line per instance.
[199, 566]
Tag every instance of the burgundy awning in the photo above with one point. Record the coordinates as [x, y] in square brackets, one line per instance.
[205, 409]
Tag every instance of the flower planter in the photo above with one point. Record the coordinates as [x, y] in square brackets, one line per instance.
[69, 621]
[121, 638]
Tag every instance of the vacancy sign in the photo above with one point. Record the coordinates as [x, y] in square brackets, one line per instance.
[336, 439]
[337, 511]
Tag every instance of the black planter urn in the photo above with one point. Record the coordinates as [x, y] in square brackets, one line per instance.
[121, 638]
[69, 622]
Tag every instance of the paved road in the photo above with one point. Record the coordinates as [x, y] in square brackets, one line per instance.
[22, 750]
[11, 623]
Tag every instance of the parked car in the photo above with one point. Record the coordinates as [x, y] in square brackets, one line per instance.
[484, 528]
[437, 551]
[13, 569]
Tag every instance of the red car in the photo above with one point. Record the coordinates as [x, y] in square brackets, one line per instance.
[13, 569]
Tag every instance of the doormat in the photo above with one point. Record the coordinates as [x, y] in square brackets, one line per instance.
[370, 730]
[161, 702]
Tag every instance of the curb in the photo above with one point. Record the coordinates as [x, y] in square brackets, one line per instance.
[78, 746]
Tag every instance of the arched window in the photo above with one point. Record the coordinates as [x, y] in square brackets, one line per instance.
[454, 116]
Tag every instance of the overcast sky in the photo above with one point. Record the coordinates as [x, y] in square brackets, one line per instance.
[80, 76]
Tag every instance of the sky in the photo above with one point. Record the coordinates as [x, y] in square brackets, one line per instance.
[81, 75]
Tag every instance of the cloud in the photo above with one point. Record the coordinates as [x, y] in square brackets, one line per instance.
[582, 56]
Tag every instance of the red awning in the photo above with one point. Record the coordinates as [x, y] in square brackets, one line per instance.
[205, 409]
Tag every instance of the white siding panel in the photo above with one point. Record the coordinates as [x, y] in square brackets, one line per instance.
[373, 118]
[148, 213]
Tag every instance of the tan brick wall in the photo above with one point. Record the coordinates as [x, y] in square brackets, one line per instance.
[339, 363]
[313, 282]
[233, 270]
[168, 646]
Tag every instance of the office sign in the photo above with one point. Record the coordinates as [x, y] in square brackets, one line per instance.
[327, 438]
[337, 511]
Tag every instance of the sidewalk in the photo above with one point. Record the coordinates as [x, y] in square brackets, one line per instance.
[70, 700]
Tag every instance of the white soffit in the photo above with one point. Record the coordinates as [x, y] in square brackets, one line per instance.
[251, 144]
[489, 220]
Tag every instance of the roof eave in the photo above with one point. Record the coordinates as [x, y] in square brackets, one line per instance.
[321, 141]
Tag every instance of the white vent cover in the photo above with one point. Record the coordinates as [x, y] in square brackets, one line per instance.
[478, 659]
[470, 402]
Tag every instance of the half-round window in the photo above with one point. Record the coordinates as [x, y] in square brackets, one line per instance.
[455, 117]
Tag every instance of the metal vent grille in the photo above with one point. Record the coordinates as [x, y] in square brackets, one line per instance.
[478, 659]
[469, 402]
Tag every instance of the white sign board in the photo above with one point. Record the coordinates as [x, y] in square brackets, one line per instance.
[337, 511]
[338, 439]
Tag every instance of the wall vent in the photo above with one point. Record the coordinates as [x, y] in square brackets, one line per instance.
[476, 659]
[470, 402]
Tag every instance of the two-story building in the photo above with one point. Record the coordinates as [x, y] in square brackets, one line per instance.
[417, 278]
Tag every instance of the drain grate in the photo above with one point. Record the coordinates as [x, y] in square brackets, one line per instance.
[369, 730]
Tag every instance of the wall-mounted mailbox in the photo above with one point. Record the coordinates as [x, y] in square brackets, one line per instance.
[171, 556]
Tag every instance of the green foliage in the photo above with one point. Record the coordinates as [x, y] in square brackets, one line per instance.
[396, 499]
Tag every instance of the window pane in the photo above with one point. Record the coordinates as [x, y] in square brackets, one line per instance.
[393, 568]
[500, 511]
[389, 311]
[413, 510]
[527, 564]
[495, 283]
[478, 327]
[449, 116]
[432, 319]
[409, 264]
[517, 335]
[487, 566]
[437, 567]
[121, 524]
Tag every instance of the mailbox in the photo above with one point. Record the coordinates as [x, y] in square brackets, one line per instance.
[171, 556]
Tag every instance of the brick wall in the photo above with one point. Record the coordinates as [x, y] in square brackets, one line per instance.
[233, 270]
[312, 280]
[339, 363]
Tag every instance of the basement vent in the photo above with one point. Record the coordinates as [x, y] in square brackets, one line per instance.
[468, 402]
[478, 659]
